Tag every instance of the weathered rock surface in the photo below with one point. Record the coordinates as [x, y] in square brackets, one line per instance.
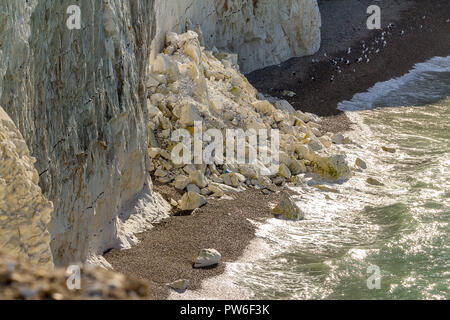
[179, 286]
[79, 99]
[207, 258]
[20, 279]
[374, 182]
[24, 211]
[192, 76]
[191, 201]
[334, 167]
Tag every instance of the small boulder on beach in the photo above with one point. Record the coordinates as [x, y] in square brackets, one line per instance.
[360, 164]
[207, 258]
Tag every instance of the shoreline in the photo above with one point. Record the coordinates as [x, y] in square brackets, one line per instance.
[164, 253]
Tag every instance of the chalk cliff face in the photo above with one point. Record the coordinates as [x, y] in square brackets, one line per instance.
[261, 32]
[24, 211]
[79, 98]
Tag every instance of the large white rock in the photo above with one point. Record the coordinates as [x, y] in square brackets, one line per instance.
[231, 179]
[284, 171]
[189, 114]
[264, 107]
[288, 209]
[296, 167]
[207, 258]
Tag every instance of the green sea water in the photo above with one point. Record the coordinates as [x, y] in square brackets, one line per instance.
[400, 229]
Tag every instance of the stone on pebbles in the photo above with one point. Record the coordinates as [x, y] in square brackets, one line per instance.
[191, 201]
[220, 189]
[207, 258]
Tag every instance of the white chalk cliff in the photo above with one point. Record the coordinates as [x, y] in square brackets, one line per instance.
[79, 99]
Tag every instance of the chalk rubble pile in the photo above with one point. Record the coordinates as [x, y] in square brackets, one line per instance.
[189, 84]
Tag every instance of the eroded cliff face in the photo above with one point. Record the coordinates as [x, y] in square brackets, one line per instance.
[24, 211]
[79, 98]
[261, 32]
